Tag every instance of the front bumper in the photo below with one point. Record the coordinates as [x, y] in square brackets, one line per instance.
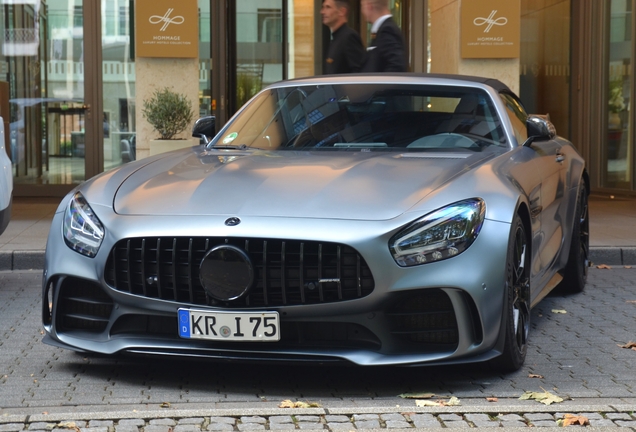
[454, 305]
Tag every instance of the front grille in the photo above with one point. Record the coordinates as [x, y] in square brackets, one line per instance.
[286, 272]
[82, 305]
[424, 317]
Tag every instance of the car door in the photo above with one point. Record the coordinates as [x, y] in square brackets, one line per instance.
[545, 171]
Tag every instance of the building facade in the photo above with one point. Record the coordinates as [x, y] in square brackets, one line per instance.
[72, 84]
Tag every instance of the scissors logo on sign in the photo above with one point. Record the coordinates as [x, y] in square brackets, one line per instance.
[166, 20]
[491, 21]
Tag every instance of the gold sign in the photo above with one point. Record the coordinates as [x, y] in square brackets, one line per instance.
[490, 28]
[167, 28]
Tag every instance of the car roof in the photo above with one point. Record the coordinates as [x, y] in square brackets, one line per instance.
[402, 78]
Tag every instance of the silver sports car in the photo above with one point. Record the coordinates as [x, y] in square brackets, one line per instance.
[378, 220]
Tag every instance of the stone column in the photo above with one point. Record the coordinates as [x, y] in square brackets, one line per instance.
[179, 75]
[446, 53]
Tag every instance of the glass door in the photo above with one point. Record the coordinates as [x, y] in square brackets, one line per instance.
[618, 164]
[43, 55]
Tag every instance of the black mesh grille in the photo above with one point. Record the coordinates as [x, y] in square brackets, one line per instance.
[286, 272]
[426, 317]
[83, 305]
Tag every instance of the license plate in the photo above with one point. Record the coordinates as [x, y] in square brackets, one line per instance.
[232, 326]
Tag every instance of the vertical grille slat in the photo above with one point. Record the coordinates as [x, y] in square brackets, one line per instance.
[190, 273]
[158, 264]
[282, 273]
[174, 269]
[302, 272]
[144, 282]
[128, 268]
[265, 272]
[286, 272]
[320, 275]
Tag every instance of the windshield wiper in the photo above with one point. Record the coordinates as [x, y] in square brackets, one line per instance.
[230, 147]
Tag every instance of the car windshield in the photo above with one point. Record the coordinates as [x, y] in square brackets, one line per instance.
[366, 117]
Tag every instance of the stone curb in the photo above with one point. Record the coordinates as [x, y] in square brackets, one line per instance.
[21, 260]
[469, 406]
[613, 255]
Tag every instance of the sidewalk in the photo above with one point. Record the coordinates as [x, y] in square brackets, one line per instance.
[612, 232]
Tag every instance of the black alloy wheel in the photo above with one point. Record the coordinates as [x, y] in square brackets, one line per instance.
[517, 300]
[575, 272]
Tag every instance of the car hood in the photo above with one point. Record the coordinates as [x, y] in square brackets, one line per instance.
[333, 185]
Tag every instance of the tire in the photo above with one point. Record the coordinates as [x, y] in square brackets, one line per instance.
[516, 300]
[575, 271]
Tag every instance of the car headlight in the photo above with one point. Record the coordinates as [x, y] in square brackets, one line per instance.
[83, 232]
[442, 234]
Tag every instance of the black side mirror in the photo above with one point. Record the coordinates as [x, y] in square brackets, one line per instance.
[205, 128]
[539, 128]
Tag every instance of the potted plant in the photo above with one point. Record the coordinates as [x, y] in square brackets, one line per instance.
[169, 113]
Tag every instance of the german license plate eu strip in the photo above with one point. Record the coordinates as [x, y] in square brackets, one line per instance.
[229, 326]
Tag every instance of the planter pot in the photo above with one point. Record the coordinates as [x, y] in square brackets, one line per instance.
[162, 146]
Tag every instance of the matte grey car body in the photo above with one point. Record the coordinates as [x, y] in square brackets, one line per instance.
[396, 219]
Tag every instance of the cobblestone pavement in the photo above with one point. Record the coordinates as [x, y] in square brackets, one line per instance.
[575, 355]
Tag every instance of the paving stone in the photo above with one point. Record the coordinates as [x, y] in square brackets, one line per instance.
[11, 427]
[365, 417]
[307, 418]
[337, 418]
[398, 424]
[158, 428]
[450, 417]
[131, 422]
[100, 423]
[280, 419]
[226, 420]
[41, 426]
[544, 423]
[456, 424]
[191, 420]
[341, 426]
[368, 424]
[126, 429]
[250, 426]
[537, 417]
[602, 423]
[253, 419]
[187, 428]
[618, 416]
[163, 422]
[310, 426]
[220, 427]
[623, 423]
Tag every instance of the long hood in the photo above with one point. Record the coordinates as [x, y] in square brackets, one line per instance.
[345, 185]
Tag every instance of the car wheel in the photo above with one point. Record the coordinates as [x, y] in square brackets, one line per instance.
[575, 273]
[517, 300]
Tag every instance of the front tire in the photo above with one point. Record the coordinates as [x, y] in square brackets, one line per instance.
[575, 272]
[516, 300]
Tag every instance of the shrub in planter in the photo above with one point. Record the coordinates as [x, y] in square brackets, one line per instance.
[169, 113]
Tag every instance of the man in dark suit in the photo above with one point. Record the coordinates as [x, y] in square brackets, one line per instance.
[346, 53]
[386, 52]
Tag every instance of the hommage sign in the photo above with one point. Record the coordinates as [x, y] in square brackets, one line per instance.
[165, 28]
[490, 28]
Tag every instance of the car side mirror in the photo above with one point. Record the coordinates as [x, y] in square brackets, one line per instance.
[205, 128]
[539, 128]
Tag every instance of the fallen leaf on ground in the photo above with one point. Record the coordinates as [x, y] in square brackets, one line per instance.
[417, 395]
[298, 404]
[453, 401]
[165, 405]
[628, 345]
[535, 376]
[492, 399]
[628, 267]
[571, 419]
[631, 301]
[559, 311]
[69, 425]
[604, 266]
[544, 397]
